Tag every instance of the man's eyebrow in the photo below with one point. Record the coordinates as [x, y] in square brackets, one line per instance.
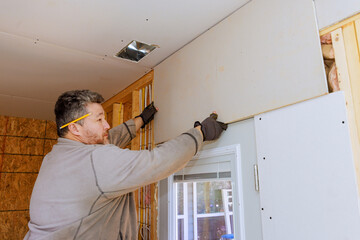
[99, 114]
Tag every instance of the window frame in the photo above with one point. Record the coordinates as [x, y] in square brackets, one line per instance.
[237, 190]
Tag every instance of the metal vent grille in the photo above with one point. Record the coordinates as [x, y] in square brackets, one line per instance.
[135, 51]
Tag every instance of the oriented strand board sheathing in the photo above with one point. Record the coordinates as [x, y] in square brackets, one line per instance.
[48, 145]
[24, 142]
[2, 144]
[51, 131]
[3, 124]
[21, 163]
[21, 145]
[245, 65]
[13, 225]
[15, 190]
[26, 127]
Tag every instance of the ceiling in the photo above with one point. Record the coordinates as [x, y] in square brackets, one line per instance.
[48, 46]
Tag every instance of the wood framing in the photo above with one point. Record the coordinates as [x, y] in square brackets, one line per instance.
[345, 85]
[340, 24]
[135, 143]
[345, 39]
[120, 108]
[126, 94]
[117, 114]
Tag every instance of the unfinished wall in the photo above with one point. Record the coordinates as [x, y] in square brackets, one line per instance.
[126, 105]
[23, 144]
[264, 56]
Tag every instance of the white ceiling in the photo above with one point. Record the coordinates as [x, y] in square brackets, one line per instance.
[48, 46]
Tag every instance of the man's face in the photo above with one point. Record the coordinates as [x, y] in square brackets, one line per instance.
[95, 127]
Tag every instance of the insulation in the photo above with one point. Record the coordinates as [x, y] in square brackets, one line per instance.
[333, 79]
[328, 51]
[329, 62]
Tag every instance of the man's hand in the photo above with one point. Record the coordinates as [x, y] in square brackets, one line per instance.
[148, 114]
[210, 128]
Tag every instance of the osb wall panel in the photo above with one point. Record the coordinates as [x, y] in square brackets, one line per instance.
[21, 163]
[23, 144]
[15, 190]
[48, 145]
[13, 225]
[26, 127]
[51, 130]
[20, 145]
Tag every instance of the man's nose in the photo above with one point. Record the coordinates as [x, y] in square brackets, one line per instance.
[106, 125]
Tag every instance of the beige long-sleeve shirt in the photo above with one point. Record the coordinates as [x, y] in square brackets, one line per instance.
[85, 191]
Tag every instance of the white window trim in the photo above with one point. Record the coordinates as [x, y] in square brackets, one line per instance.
[183, 216]
[237, 187]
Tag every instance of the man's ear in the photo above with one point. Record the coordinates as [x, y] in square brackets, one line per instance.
[74, 129]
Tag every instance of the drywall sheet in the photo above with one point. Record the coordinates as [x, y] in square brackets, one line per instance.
[307, 177]
[242, 133]
[330, 12]
[264, 56]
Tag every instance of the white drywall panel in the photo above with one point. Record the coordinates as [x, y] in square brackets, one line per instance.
[332, 11]
[264, 56]
[242, 133]
[307, 177]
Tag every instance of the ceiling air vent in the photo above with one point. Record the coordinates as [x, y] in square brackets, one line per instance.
[135, 51]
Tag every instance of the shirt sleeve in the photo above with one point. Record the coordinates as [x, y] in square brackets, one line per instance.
[122, 134]
[122, 170]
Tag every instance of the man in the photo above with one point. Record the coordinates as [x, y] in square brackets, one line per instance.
[84, 187]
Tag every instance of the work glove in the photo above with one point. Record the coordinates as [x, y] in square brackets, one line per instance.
[211, 128]
[148, 114]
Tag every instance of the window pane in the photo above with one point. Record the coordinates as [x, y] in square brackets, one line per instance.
[211, 228]
[209, 196]
[180, 198]
[180, 229]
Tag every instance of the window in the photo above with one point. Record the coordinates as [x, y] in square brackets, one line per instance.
[204, 210]
[204, 196]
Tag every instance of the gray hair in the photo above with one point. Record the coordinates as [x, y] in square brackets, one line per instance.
[72, 105]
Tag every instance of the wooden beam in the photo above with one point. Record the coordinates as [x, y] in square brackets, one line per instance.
[353, 61]
[339, 24]
[154, 186]
[126, 94]
[135, 143]
[345, 85]
[117, 114]
[357, 30]
[154, 211]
